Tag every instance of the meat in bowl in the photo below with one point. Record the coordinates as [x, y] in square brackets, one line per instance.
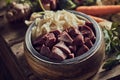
[64, 45]
[62, 35]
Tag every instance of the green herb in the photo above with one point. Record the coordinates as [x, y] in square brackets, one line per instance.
[35, 4]
[111, 63]
[89, 2]
[8, 1]
[66, 4]
[112, 39]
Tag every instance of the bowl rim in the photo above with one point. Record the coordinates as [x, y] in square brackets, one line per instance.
[78, 59]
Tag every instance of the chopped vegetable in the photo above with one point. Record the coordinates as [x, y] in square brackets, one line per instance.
[99, 10]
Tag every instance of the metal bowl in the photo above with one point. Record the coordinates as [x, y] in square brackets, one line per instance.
[78, 68]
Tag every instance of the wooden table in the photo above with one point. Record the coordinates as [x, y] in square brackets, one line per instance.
[13, 62]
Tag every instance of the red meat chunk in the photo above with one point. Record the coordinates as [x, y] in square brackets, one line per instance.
[71, 55]
[64, 36]
[63, 47]
[72, 48]
[39, 41]
[58, 54]
[73, 32]
[50, 39]
[90, 25]
[82, 50]
[87, 32]
[88, 42]
[56, 33]
[79, 40]
[45, 51]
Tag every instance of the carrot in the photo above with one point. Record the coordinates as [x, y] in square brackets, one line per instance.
[97, 19]
[99, 10]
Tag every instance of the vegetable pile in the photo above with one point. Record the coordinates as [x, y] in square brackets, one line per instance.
[112, 39]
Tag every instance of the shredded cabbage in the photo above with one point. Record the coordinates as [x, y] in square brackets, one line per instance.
[59, 20]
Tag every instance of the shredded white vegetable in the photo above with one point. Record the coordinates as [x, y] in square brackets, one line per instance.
[59, 20]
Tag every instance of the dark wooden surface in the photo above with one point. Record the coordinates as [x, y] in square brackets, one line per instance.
[9, 63]
[13, 65]
[12, 55]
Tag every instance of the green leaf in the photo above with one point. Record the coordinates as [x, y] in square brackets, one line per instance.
[66, 4]
[8, 1]
[89, 2]
[112, 40]
[110, 64]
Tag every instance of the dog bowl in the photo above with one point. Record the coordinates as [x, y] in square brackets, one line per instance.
[79, 68]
